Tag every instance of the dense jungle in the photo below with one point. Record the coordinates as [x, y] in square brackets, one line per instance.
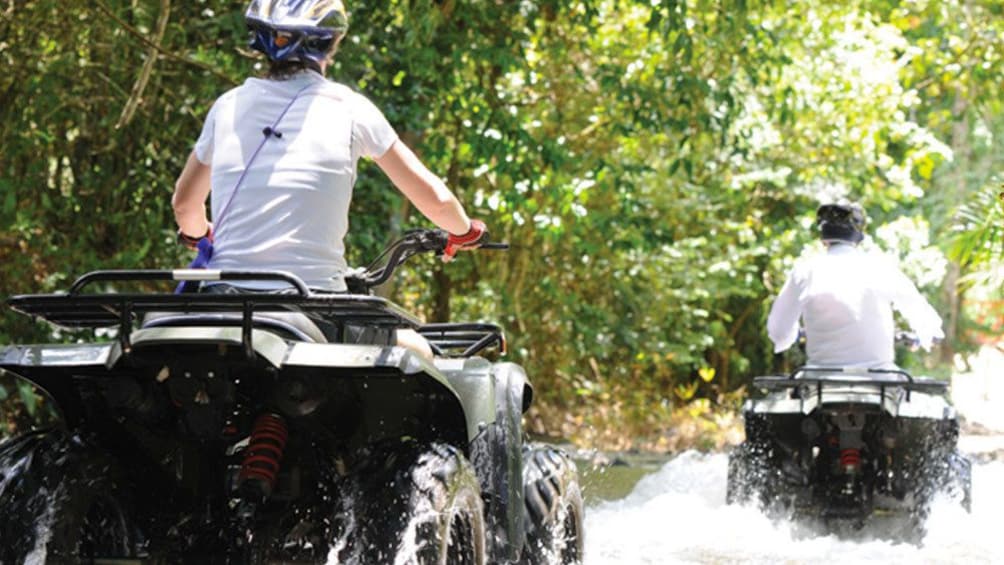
[655, 166]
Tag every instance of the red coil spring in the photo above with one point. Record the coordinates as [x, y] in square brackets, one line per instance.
[264, 451]
[850, 459]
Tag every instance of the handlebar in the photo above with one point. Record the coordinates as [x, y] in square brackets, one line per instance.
[413, 242]
[378, 272]
[494, 245]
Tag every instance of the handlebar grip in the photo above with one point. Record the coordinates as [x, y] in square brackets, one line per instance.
[494, 245]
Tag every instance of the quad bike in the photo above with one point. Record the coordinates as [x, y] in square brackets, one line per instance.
[837, 447]
[227, 428]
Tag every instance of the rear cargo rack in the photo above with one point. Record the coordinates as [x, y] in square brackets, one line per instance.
[78, 310]
[855, 377]
[463, 339]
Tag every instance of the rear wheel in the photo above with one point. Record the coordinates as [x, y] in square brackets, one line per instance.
[553, 512]
[409, 503]
[63, 502]
[960, 480]
[950, 475]
[747, 476]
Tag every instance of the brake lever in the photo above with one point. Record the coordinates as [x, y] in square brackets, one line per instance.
[434, 240]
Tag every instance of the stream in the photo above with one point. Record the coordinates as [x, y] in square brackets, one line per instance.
[677, 514]
[674, 511]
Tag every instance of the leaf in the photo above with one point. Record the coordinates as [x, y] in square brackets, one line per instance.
[707, 374]
[28, 396]
[925, 167]
[686, 391]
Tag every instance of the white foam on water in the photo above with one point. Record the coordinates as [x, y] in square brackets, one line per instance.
[678, 515]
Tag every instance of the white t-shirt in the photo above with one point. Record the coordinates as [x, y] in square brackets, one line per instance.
[846, 298]
[290, 213]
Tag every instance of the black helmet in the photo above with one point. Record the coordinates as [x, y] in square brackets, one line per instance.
[843, 221]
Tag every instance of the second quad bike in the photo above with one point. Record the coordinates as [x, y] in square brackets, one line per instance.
[837, 446]
[228, 428]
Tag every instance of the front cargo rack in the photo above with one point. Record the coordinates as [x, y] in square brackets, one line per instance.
[463, 339]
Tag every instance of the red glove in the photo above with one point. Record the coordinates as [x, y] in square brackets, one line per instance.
[193, 242]
[469, 240]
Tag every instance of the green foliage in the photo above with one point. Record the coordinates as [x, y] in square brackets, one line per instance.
[654, 165]
[23, 407]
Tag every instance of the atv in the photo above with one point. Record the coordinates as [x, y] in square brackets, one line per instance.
[228, 428]
[836, 447]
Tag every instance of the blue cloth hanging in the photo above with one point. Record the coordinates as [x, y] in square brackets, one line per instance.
[201, 261]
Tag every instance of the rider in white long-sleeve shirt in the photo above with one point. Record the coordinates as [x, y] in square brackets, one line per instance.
[845, 299]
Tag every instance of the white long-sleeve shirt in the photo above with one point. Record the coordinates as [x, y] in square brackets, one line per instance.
[845, 298]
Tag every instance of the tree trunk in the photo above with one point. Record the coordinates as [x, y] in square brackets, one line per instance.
[441, 306]
[952, 291]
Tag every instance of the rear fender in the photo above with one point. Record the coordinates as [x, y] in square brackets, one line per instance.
[388, 368]
[50, 369]
[389, 373]
[48, 412]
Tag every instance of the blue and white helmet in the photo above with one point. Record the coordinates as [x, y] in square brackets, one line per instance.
[291, 30]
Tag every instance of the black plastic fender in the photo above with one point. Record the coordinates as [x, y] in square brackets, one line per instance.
[496, 454]
[63, 397]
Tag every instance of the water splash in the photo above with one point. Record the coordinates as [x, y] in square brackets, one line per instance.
[678, 515]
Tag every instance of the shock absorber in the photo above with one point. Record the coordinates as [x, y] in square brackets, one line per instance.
[850, 460]
[260, 467]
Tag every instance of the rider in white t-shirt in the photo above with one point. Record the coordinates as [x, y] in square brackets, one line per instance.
[279, 155]
[845, 300]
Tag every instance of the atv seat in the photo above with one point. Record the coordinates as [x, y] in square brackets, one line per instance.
[293, 325]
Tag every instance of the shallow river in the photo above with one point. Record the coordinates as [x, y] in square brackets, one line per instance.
[677, 514]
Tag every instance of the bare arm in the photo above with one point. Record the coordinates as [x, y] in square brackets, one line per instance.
[425, 190]
[189, 200]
